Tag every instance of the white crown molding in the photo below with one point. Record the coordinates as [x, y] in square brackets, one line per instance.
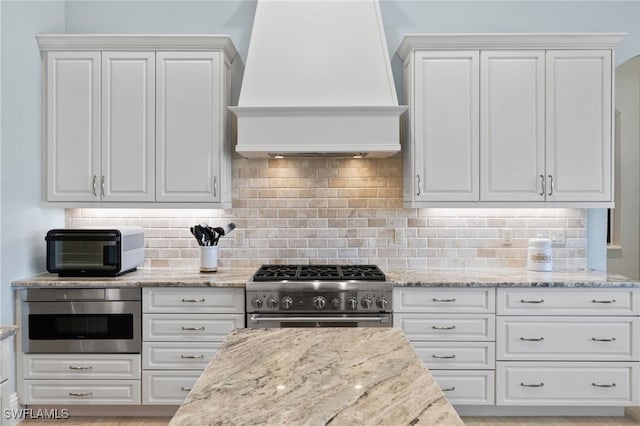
[412, 42]
[156, 42]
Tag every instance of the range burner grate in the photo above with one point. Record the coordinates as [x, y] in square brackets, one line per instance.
[319, 272]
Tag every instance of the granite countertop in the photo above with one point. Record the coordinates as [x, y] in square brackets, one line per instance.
[8, 331]
[151, 277]
[316, 376]
[165, 277]
[507, 277]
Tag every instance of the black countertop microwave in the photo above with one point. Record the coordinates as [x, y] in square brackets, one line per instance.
[94, 252]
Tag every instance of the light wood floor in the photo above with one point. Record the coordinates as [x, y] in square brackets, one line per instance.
[475, 421]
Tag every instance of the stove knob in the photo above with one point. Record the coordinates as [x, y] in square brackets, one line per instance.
[319, 302]
[352, 303]
[382, 303]
[335, 303]
[367, 302]
[256, 303]
[272, 303]
[286, 302]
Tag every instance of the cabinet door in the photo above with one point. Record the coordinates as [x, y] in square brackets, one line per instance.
[128, 126]
[73, 126]
[512, 126]
[446, 126]
[579, 125]
[188, 126]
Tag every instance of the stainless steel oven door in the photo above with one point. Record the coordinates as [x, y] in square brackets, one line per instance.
[319, 320]
[82, 327]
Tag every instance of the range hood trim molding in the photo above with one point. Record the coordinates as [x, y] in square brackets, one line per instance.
[267, 111]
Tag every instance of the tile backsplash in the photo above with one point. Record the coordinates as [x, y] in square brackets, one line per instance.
[343, 211]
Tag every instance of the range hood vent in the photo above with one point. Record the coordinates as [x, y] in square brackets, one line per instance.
[318, 81]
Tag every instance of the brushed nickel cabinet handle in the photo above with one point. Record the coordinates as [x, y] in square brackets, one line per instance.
[93, 185]
[448, 327]
[612, 385]
[613, 339]
[604, 301]
[183, 389]
[215, 186]
[532, 301]
[78, 367]
[451, 389]
[551, 187]
[193, 300]
[192, 356]
[193, 328]
[443, 300]
[443, 356]
[532, 385]
[418, 184]
[544, 188]
[80, 393]
[535, 339]
[102, 184]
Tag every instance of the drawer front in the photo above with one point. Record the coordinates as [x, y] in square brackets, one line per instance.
[446, 300]
[193, 300]
[434, 327]
[467, 387]
[178, 356]
[456, 355]
[568, 338]
[83, 392]
[568, 301]
[167, 387]
[79, 366]
[567, 384]
[189, 327]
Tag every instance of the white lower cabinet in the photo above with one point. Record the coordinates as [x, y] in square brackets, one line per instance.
[93, 379]
[567, 383]
[182, 329]
[567, 347]
[93, 392]
[467, 387]
[453, 332]
[167, 387]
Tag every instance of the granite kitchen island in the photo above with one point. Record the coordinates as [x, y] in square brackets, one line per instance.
[316, 376]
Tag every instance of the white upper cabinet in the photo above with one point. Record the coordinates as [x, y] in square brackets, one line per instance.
[579, 116]
[73, 125]
[128, 133]
[508, 120]
[138, 120]
[189, 127]
[445, 116]
[512, 125]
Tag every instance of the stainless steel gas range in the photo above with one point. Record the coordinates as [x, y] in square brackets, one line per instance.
[319, 296]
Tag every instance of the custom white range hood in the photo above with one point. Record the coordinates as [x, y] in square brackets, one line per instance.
[318, 82]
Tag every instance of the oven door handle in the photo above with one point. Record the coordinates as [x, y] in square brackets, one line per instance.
[381, 318]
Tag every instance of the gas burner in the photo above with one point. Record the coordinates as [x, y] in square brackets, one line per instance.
[319, 272]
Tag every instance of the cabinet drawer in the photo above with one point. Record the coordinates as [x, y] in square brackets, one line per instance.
[193, 300]
[568, 338]
[566, 384]
[446, 300]
[178, 356]
[80, 366]
[189, 327]
[167, 387]
[456, 355]
[434, 327]
[466, 387]
[568, 301]
[111, 392]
